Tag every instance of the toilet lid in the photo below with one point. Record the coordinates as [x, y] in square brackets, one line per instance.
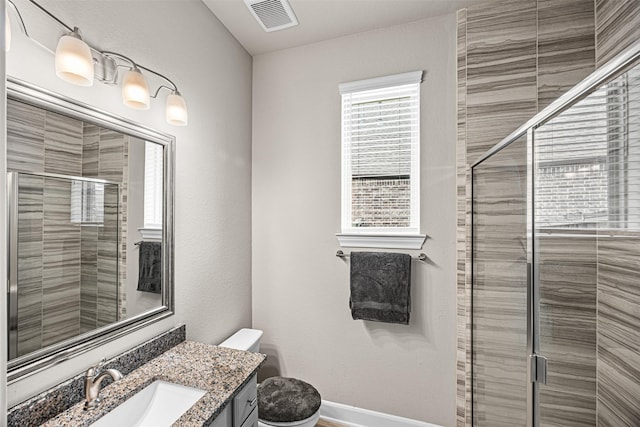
[287, 399]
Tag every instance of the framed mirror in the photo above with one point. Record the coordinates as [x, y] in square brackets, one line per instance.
[90, 227]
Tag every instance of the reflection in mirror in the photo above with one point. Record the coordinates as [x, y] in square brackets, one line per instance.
[87, 207]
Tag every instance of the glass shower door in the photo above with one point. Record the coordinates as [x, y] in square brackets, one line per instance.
[63, 266]
[587, 230]
[499, 289]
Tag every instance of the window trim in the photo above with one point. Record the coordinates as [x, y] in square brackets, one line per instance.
[380, 237]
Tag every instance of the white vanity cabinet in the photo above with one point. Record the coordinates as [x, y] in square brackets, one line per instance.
[243, 411]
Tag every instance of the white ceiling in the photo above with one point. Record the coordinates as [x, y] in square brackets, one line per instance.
[325, 19]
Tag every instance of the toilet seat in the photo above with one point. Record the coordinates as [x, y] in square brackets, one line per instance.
[307, 422]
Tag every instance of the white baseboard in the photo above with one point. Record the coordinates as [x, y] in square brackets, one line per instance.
[358, 417]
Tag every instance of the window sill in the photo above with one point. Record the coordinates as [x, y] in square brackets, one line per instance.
[151, 233]
[381, 241]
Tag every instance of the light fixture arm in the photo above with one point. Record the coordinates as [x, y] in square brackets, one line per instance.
[175, 88]
[51, 15]
[108, 53]
[22, 25]
[135, 66]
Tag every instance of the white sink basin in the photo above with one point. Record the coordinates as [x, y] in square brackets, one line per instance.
[157, 405]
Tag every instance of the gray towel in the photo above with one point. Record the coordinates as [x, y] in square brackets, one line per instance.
[150, 267]
[380, 287]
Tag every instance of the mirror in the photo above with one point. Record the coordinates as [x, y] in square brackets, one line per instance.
[90, 227]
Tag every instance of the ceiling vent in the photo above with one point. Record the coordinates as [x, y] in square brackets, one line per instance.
[272, 15]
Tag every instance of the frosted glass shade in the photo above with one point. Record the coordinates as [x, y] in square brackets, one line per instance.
[135, 90]
[176, 110]
[74, 63]
[7, 31]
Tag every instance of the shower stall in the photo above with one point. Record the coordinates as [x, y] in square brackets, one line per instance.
[556, 262]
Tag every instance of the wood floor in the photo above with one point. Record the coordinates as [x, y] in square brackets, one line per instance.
[323, 423]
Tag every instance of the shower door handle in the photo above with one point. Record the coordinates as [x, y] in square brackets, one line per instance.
[538, 368]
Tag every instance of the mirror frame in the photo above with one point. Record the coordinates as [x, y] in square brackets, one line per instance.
[44, 358]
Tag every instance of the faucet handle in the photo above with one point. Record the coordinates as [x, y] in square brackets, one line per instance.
[94, 370]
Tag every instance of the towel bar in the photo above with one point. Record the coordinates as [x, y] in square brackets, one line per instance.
[421, 256]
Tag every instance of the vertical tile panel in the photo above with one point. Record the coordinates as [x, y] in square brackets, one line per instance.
[107, 259]
[500, 289]
[566, 46]
[111, 152]
[61, 261]
[123, 221]
[111, 167]
[90, 141]
[617, 27]
[461, 364]
[619, 330]
[567, 281]
[25, 137]
[62, 145]
[501, 72]
[30, 223]
[89, 278]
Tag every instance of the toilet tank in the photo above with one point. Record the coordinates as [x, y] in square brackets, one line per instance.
[245, 339]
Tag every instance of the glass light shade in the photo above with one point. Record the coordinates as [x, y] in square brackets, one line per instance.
[74, 63]
[7, 31]
[135, 90]
[176, 110]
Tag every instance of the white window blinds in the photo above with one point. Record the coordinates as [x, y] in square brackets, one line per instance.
[587, 157]
[153, 173]
[380, 152]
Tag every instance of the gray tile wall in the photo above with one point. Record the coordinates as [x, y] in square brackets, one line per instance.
[617, 27]
[65, 269]
[618, 372]
[568, 267]
[500, 289]
[514, 58]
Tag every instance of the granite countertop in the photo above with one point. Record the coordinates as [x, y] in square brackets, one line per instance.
[220, 371]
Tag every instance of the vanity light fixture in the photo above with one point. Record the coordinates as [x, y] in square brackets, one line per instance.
[79, 63]
[176, 109]
[74, 63]
[135, 90]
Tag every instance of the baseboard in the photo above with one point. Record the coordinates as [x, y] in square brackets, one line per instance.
[358, 417]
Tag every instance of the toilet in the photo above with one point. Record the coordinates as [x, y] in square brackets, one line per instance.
[282, 402]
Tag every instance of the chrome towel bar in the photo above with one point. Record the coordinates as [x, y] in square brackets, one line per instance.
[420, 257]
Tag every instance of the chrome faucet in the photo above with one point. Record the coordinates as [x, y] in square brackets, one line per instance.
[92, 379]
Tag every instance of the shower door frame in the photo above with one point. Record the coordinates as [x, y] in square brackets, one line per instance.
[532, 295]
[608, 71]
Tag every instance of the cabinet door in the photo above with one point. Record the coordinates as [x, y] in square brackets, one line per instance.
[245, 402]
[223, 419]
[252, 419]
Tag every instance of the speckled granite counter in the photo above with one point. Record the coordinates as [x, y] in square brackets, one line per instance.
[220, 371]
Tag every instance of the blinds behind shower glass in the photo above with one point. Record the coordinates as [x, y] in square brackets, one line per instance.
[588, 160]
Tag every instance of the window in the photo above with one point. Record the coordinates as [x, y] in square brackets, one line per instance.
[380, 155]
[87, 202]
[586, 158]
[153, 173]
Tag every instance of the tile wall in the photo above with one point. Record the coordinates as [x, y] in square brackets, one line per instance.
[514, 58]
[65, 269]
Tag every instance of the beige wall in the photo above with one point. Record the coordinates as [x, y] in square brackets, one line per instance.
[213, 154]
[300, 288]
